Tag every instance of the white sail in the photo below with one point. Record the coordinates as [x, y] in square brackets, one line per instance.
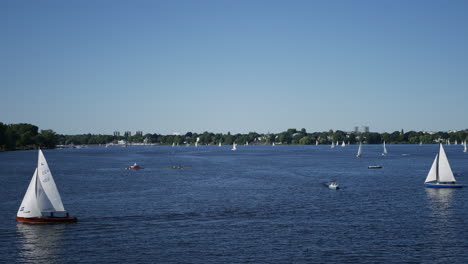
[445, 172]
[337, 143]
[343, 144]
[333, 144]
[29, 207]
[316, 142]
[234, 146]
[464, 146]
[219, 145]
[432, 175]
[420, 143]
[48, 184]
[456, 142]
[173, 144]
[273, 144]
[384, 149]
[359, 153]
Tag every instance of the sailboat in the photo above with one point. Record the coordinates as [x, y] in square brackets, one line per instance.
[219, 145]
[359, 152]
[173, 144]
[273, 144]
[333, 144]
[440, 175]
[316, 142]
[343, 144]
[420, 143]
[234, 146]
[384, 149]
[464, 146]
[42, 203]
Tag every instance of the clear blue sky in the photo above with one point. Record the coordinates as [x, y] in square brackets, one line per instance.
[239, 66]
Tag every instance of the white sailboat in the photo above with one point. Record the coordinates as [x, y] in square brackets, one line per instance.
[273, 144]
[384, 149]
[246, 143]
[464, 146]
[333, 144]
[234, 146]
[420, 143]
[359, 152]
[173, 144]
[456, 142]
[343, 144]
[316, 142]
[42, 202]
[448, 142]
[440, 175]
[219, 145]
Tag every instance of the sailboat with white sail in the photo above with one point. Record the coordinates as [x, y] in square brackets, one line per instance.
[384, 149]
[42, 202]
[316, 142]
[219, 145]
[440, 175]
[234, 146]
[464, 146]
[332, 145]
[359, 152]
[343, 144]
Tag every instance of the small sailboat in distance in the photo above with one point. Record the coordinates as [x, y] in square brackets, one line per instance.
[440, 175]
[359, 152]
[42, 203]
[219, 145]
[343, 144]
[384, 149]
[234, 146]
[332, 145]
[464, 146]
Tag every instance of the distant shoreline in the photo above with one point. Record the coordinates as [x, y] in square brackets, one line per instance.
[26, 136]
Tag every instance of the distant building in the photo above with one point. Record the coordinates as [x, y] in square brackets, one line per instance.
[139, 133]
[361, 129]
[116, 134]
[128, 134]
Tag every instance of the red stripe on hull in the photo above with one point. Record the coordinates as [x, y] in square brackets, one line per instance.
[47, 220]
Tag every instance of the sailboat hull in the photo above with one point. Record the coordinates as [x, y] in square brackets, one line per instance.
[442, 185]
[47, 220]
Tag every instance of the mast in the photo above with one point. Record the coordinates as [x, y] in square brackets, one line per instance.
[437, 166]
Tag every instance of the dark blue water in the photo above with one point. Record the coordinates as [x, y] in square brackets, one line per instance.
[260, 204]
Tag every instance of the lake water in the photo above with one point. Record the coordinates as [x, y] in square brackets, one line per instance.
[259, 204]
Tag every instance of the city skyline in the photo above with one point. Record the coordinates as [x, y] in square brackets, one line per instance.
[219, 66]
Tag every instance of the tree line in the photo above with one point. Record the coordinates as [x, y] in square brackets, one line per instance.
[27, 136]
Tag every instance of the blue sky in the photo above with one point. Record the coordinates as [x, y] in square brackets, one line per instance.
[239, 66]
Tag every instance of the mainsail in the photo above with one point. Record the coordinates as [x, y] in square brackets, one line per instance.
[440, 170]
[42, 194]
